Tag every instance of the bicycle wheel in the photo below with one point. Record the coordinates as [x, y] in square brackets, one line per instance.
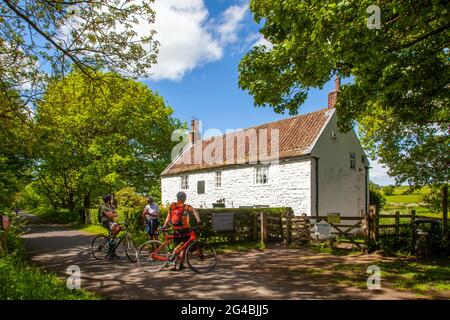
[126, 248]
[201, 257]
[100, 247]
[130, 249]
[152, 256]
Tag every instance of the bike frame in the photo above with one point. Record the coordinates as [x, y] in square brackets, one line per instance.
[168, 239]
[119, 238]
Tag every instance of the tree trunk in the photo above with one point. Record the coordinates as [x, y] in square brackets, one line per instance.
[445, 211]
[87, 206]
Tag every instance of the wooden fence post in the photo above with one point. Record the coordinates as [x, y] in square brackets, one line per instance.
[413, 215]
[397, 223]
[374, 222]
[280, 226]
[288, 216]
[263, 228]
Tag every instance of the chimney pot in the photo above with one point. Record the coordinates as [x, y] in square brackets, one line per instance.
[333, 95]
[194, 134]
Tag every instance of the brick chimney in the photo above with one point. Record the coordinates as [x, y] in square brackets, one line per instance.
[333, 95]
[194, 134]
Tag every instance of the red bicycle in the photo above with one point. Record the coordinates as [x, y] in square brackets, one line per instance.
[154, 255]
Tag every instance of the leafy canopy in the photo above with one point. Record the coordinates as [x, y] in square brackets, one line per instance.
[399, 93]
[42, 37]
[95, 140]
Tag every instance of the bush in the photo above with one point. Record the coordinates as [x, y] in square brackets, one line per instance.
[376, 198]
[128, 198]
[29, 198]
[388, 190]
[392, 244]
[433, 199]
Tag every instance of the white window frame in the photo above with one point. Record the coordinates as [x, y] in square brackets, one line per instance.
[218, 179]
[184, 182]
[262, 175]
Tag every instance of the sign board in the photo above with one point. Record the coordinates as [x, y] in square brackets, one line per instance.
[334, 218]
[322, 229]
[223, 221]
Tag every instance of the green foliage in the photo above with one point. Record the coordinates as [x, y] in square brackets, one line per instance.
[93, 35]
[97, 140]
[391, 244]
[376, 198]
[16, 140]
[388, 190]
[244, 220]
[128, 198]
[433, 199]
[399, 93]
[29, 198]
[23, 281]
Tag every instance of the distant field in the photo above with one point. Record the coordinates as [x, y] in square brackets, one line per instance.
[407, 198]
[406, 202]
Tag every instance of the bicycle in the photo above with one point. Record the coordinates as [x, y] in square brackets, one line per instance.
[154, 255]
[101, 246]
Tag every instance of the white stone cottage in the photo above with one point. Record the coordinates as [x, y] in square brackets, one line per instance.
[320, 170]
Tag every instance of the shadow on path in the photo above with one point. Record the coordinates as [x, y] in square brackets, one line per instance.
[275, 273]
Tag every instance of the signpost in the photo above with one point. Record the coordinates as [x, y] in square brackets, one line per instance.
[322, 230]
[334, 218]
[223, 221]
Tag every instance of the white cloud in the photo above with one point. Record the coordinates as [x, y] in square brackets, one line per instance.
[189, 38]
[231, 23]
[378, 174]
[184, 40]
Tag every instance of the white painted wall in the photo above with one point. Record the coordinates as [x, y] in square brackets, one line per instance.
[340, 188]
[289, 186]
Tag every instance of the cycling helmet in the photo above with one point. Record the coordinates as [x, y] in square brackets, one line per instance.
[181, 196]
[107, 198]
[150, 199]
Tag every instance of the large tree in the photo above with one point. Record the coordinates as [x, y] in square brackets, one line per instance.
[98, 139]
[15, 145]
[399, 70]
[39, 38]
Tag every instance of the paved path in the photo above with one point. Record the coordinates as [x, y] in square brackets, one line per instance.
[268, 274]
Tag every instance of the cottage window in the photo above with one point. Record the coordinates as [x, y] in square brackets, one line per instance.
[201, 187]
[218, 179]
[262, 175]
[352, 161]
[184, 182]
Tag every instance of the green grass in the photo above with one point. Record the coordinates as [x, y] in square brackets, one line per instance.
[426, 278]
[237, 246]
[407, 198]
[23, 281]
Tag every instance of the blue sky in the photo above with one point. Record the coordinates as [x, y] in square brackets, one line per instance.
[202, 42]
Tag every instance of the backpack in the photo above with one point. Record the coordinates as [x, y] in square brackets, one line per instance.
[179, 215]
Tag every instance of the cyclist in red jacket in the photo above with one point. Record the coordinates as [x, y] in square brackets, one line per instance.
[178, 217]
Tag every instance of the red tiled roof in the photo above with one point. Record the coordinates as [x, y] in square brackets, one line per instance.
[297, 136]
